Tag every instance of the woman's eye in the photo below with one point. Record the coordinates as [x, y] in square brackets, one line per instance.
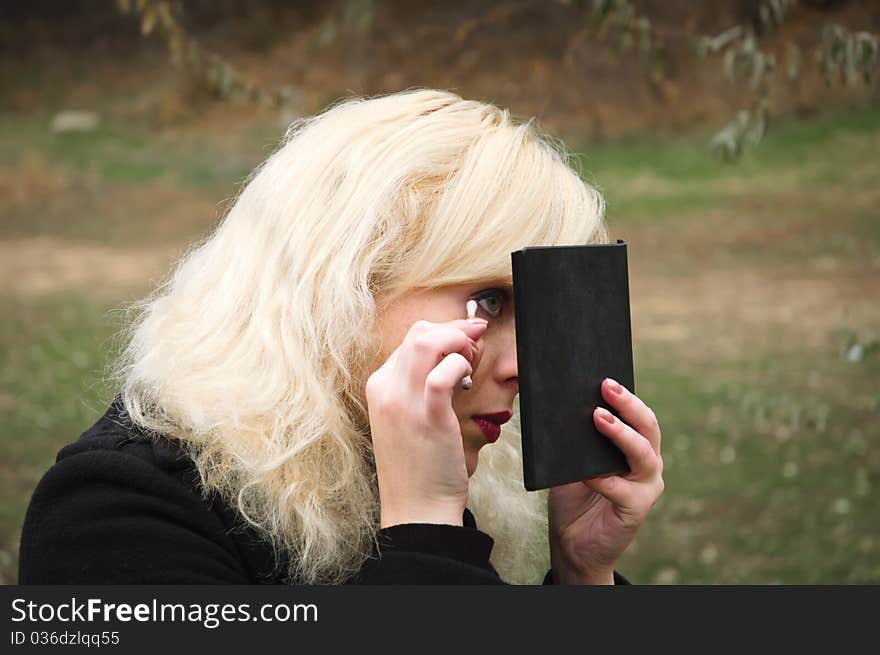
[492, 301]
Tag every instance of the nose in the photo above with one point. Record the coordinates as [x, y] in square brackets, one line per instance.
[508, 367]
[496, 358]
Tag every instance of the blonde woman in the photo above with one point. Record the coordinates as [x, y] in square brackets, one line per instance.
[290, 404]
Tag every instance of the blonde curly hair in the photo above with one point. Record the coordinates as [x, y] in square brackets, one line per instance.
[254, 353]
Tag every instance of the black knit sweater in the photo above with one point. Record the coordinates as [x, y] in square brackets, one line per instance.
[121, 507]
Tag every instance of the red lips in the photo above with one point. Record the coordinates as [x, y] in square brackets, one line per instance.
[498, 418]
[490, 424]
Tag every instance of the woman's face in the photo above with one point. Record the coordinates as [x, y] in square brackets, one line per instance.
[495, 380]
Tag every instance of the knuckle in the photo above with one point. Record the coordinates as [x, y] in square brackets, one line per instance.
[644, 449]
[435, 383]
[375, 385]
[419, 329]
[652, 420]
[422, 343]
[387, 407]
[656, 491]
[460, 359]
[612, 484]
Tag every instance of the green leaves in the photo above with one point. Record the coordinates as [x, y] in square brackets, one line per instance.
[622, 24]
[848, 55]
[706, 45]
[771, 14]
[745, 130]
[209, 71]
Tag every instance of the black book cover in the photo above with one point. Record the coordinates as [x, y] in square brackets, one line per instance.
[572, 312]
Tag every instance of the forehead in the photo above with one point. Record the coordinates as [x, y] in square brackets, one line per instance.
[461, 289]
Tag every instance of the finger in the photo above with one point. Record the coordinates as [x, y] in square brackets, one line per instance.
[477, 355]
[426, 344]
[633, 411]
[440, 383]
[618, 490]
[643, 461]
[632, 500]
[473, 327]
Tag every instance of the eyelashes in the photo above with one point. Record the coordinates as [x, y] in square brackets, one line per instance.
[492, 301]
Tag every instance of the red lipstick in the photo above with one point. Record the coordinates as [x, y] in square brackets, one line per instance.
[490, 424]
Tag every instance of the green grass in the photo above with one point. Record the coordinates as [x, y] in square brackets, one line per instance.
[52, 387]
[85, 185]
[54, 348]
[766, 481]
[117, 152]
[790, 143]
[687, 178]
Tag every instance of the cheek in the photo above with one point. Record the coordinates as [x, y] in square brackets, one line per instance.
[495, 345]
[397, 322]
[464, 402]
[458, 402]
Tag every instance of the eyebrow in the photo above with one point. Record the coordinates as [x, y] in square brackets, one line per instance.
[504, 285]
[504, 282]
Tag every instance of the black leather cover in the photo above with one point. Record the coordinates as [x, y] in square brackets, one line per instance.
[571, 305]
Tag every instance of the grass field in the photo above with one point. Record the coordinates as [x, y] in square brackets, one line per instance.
[750, 286]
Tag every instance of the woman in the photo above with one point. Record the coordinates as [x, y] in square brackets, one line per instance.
[290, 404]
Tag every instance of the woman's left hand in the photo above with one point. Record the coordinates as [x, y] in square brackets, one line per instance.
[593, 521]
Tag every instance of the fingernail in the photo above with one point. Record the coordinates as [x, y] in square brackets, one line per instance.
[605, 415]
[478, 321]
[614, 385]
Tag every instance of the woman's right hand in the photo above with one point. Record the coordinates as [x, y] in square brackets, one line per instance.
[417, 441]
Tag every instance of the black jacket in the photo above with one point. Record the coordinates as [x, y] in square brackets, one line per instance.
[121, 507]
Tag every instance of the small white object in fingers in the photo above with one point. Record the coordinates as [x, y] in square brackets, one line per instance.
[466, 382]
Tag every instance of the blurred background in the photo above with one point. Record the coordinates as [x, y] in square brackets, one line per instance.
[737, 143]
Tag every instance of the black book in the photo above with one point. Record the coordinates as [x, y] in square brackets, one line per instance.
[572, 311]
